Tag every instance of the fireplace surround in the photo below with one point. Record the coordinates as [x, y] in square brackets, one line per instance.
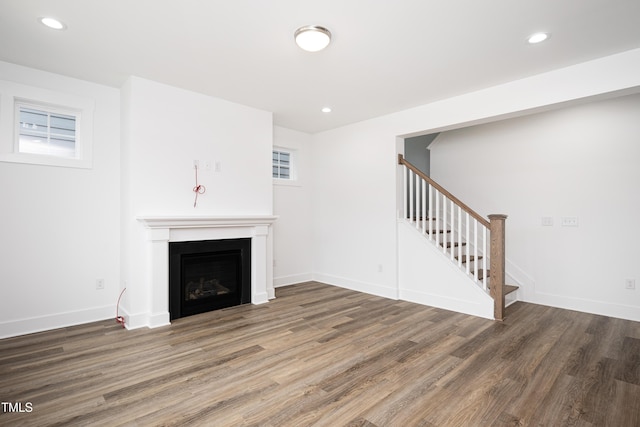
[164, 229]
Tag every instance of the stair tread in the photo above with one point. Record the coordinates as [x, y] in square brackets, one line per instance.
[471, 258]
[455, 244]
[510, 288]
[507, 288]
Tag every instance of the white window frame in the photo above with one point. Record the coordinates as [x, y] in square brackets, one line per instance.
[14, 95]
[293, 176]
[77, 116]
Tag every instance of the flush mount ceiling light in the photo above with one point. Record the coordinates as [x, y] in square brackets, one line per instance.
[52, 23]
[326, 110]
[312, 38]
[537, 38]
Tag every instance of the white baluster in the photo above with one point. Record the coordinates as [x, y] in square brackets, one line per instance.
[468, 240]
[484, 258]
[453, 230]
[404, 187]
[475, 249]
[424, 206]
[460, 251]
[437, 218]
[430, 216]
[418, 200]
[411, 195]
[444, 224]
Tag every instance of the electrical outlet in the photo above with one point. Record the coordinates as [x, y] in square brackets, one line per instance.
[630, 284]
[547, 221]
[196, 163]
[570, 221]
[99, 284]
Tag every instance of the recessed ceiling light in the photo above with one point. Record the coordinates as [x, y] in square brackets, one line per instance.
[52, 23]
[312, 38]
[326, 110]
[537, 38]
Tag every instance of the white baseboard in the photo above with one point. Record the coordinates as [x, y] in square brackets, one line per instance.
[259, 298]
[482, 309]
[157, 320]
[31, 325]
[354, 285]
[619, 311]
[133, 321]
[291, 279]
[145, 320]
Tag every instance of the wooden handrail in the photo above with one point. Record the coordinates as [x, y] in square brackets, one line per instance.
[496, 227]
[477, 216]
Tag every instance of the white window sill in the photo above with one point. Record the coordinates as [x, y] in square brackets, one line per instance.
[286, 182]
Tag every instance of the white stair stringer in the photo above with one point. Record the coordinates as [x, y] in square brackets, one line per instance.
[427, 276]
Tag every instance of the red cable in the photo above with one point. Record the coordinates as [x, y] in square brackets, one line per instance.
[120, 319]
[198, 189]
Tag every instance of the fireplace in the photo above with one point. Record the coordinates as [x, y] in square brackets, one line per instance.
[148, 279]
[208, 275]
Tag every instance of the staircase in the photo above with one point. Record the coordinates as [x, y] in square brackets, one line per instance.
[475, 244]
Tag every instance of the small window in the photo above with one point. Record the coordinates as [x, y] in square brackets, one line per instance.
[282, 164]
[43, 127]
[46, 132]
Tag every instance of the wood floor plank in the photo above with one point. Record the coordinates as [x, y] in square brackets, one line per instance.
[626, 397]
[320, 355]
[629, 366]
[540, 381]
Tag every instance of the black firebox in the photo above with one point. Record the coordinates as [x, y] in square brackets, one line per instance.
[208, 275]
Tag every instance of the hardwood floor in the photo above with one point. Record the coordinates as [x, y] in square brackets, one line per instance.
[325, 356]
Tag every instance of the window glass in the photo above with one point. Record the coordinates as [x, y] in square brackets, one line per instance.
[46, 133]
[282, 164]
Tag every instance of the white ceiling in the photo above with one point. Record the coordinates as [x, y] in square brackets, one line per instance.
[386, 55]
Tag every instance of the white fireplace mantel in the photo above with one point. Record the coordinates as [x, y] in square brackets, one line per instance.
[199, 221]
[163, 229]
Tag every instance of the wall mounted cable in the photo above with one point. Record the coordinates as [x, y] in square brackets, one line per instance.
[120, 319]
[198, 189]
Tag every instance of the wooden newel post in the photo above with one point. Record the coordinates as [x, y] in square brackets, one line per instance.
[497, 264]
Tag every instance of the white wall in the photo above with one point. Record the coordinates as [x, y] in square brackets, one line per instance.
[168, 128]
[66, 228]
[165, 130]
[59, 226]
[354, 213]
[355, 174]
[292, 203]
[575, 162]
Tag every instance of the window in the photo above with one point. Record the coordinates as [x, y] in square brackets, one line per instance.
[46, 132]
[44, 127]
[282, 164]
